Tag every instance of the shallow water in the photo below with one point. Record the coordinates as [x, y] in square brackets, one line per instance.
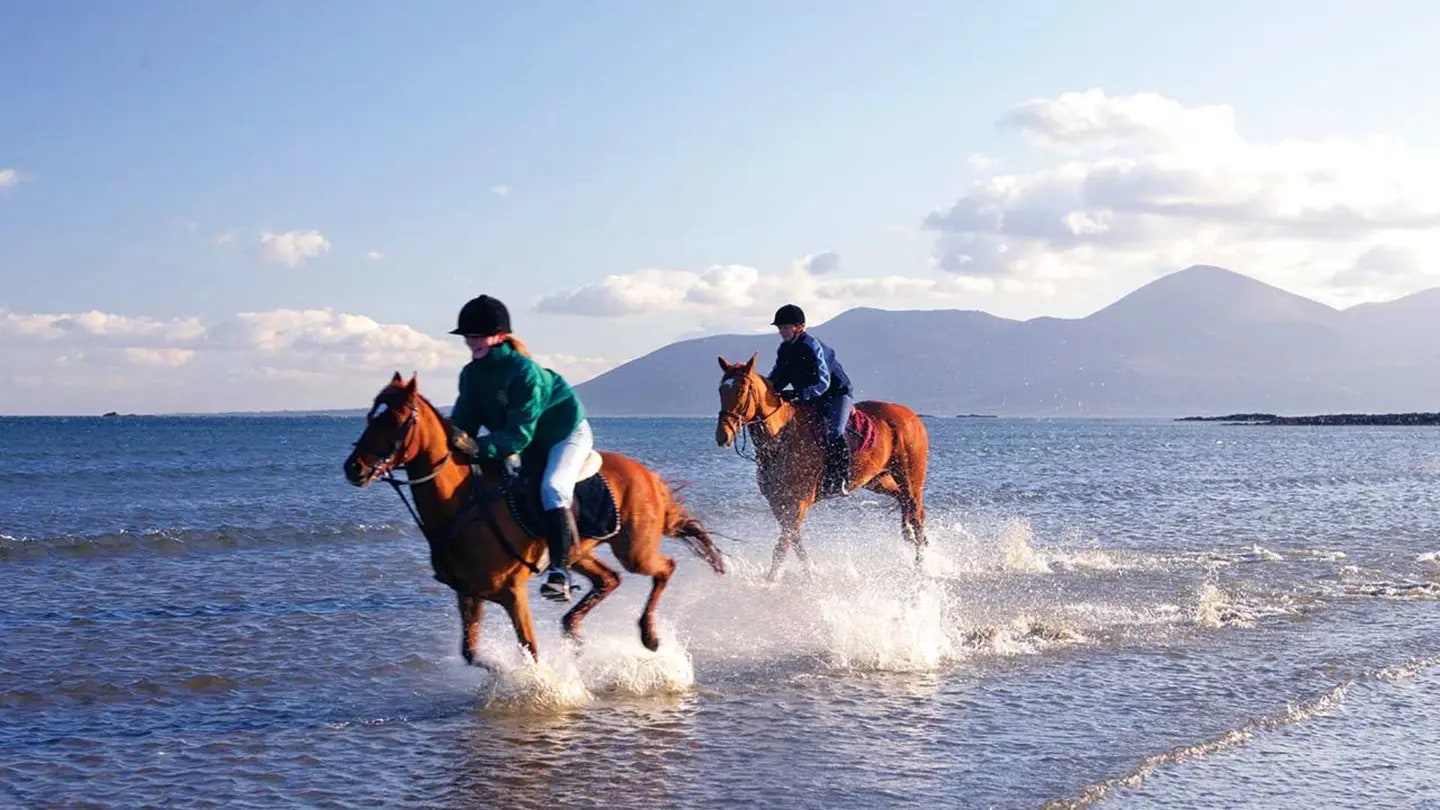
[200, 612]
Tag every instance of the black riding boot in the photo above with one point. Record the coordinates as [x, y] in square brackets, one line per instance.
[561, 535]
[837, 469]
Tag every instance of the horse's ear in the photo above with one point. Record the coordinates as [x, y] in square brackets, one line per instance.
[397, 379]
[410, 386]
[724, 366]
[750, 364]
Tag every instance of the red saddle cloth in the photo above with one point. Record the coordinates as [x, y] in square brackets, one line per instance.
[860, 433]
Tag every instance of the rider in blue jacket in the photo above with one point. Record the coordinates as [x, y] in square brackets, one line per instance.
[809, 369]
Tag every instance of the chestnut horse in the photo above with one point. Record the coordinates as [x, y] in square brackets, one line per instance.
[790, 459]
[484, 554]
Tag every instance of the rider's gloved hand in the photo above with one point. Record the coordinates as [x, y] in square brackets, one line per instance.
[463, 444]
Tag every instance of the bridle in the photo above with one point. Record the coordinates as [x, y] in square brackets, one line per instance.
[386, 472]
[386, 466]
[741, 423]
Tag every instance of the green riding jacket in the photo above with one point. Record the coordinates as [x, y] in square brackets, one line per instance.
[527, 408]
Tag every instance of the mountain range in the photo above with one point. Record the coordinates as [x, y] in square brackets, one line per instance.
[1200, 340]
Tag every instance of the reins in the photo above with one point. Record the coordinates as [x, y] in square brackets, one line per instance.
[446, 536]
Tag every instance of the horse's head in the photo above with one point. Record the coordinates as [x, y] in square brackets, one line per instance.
[393, 433]
[745, 397]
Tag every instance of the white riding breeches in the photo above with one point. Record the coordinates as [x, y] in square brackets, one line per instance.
[562, 467]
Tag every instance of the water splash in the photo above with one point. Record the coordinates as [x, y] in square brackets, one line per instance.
[877, 628]
[1215, 609]
[519, 685]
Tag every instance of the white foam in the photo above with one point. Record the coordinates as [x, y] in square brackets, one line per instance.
[1214, 609]
[1011, 545]
[623, 667]
[879, 629]
[550, 685]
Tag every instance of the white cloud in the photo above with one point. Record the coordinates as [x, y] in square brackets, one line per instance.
[336, 338]
[225, 238]
[500, 191]
[1093, 119]
[728, 297]
[575, 369]
[726, 285]
[374, 256]
[159, 357]
[10, 177]
[635, 293]
[96, 361]
[820, 264]
[99, 327]
[292, 248]
[1142, 184]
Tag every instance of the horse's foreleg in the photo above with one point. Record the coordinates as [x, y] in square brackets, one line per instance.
[659, 580]
[791, 517]
[517, 605]
[603, 582]
[471, 610]
[803, 556]
[782, 549]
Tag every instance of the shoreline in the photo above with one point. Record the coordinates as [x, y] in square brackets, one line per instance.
[1413, 419]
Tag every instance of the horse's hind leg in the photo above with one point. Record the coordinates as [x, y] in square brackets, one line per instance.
[603, 582]
[660, 569]
[471, 610]
[911, 496]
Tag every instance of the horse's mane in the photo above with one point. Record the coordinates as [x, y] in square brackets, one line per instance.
[444, 420]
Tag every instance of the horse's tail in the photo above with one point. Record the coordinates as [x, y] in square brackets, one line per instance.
[680, 524]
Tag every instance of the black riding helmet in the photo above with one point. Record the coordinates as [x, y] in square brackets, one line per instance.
[482, 316]
[789, 315]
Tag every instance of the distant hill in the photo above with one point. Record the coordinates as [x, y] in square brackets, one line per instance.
[1201, 340]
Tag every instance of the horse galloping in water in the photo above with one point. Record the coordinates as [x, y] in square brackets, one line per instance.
[890, 452]
[479, 545]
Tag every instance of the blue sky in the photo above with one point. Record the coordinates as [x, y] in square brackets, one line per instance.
[215, 206]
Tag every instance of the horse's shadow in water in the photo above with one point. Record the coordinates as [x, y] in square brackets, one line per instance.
[790, 458]
[483, 553]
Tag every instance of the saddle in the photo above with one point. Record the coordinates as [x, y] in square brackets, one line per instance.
[597, 516]
[859, 431]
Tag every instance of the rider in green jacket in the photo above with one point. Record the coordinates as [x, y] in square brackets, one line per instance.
[528, 410]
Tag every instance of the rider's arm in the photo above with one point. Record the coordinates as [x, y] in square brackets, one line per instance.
[527, 399]
[777, 375]
[822, 370]
[463, 413]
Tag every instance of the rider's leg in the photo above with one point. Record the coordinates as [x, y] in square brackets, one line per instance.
[557, 492]
[836, 413]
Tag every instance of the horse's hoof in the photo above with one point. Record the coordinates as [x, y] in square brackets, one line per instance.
[648, 637]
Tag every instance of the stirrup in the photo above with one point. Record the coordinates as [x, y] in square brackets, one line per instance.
[557, 585]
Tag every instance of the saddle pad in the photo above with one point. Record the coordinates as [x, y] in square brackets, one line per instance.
[596, 514]
[860, 432]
